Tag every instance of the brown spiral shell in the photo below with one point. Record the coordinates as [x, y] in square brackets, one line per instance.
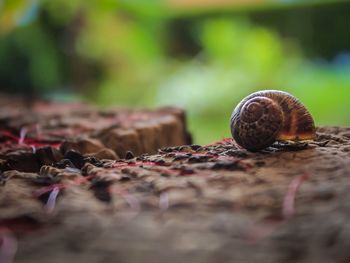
[267, 116]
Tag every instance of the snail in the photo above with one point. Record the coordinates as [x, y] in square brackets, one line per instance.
[267, 116]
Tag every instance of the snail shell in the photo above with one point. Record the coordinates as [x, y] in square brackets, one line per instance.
[268, 116]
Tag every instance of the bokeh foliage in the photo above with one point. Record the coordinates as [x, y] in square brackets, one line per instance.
[141, 54]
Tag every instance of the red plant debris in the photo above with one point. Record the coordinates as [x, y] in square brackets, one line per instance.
[8, 245]
[22, 140]
[22, 135]
[288, 209]
[51, 201]
[46, 189]
[264, 229]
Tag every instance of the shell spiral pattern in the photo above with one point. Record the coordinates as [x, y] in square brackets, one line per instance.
[268, 116]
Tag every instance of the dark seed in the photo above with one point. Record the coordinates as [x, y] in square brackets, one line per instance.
[179, 157]
[64, 163]
[166, 150]
[94, 161]
[47, 155]
[184, 148]
[76, 158]
[129, 155]
[195, 147]
[160, 162]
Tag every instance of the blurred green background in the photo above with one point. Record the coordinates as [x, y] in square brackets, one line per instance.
[203, 55]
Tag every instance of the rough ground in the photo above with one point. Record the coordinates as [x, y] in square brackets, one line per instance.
[216, 203]
[26, 131]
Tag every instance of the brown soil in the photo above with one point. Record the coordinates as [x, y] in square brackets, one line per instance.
[218, 203]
